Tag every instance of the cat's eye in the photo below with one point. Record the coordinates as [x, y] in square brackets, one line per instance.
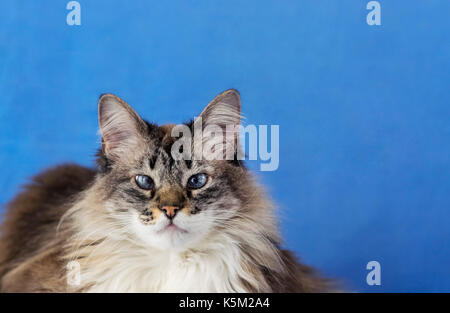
[197, 181]
[144, 182]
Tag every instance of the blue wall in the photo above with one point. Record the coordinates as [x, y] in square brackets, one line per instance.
[363, 111]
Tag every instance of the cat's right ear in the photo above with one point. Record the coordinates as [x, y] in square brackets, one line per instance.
[122, 129]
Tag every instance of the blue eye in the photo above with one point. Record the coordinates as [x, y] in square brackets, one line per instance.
[144, 182]
[197, 181]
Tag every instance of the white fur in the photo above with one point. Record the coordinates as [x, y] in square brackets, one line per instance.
[132, 269]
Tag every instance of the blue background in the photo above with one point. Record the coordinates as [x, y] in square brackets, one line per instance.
[363, 110]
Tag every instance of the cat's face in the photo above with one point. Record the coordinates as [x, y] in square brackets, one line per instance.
[164, 201]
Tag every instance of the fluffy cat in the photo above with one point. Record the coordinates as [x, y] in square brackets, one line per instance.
[143, 221]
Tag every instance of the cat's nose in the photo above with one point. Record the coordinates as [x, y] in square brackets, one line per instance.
[170, 210]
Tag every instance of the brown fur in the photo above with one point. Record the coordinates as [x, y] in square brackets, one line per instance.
[30, 247]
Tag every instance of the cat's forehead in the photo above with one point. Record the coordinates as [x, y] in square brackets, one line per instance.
[161, 135]
[158, 157]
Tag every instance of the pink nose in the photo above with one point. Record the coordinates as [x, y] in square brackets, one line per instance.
[170, 211]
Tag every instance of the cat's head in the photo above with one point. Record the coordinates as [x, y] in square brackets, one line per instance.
[153, 194]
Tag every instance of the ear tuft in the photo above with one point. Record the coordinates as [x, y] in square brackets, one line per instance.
[121, 127]
[220, 121]
[224, 109]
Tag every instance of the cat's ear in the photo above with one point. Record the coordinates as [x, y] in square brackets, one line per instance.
[122, 129]
[222, 114]
[224, 109]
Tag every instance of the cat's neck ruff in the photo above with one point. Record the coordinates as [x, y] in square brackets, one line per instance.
[136, 269]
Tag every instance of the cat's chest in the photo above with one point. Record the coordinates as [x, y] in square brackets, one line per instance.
[191, 276]
[174, 273]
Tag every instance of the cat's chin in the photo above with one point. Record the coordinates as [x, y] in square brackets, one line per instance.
[169, 236]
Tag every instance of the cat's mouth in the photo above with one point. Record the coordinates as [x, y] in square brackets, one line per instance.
[171, 227]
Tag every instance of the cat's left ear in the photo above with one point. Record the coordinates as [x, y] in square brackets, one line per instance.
[123, 131]
[223, 110]
[222, 116]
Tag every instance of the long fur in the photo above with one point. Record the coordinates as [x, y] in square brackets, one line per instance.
[228, 242]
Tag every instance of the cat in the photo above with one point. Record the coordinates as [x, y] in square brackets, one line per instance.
[144, 221]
